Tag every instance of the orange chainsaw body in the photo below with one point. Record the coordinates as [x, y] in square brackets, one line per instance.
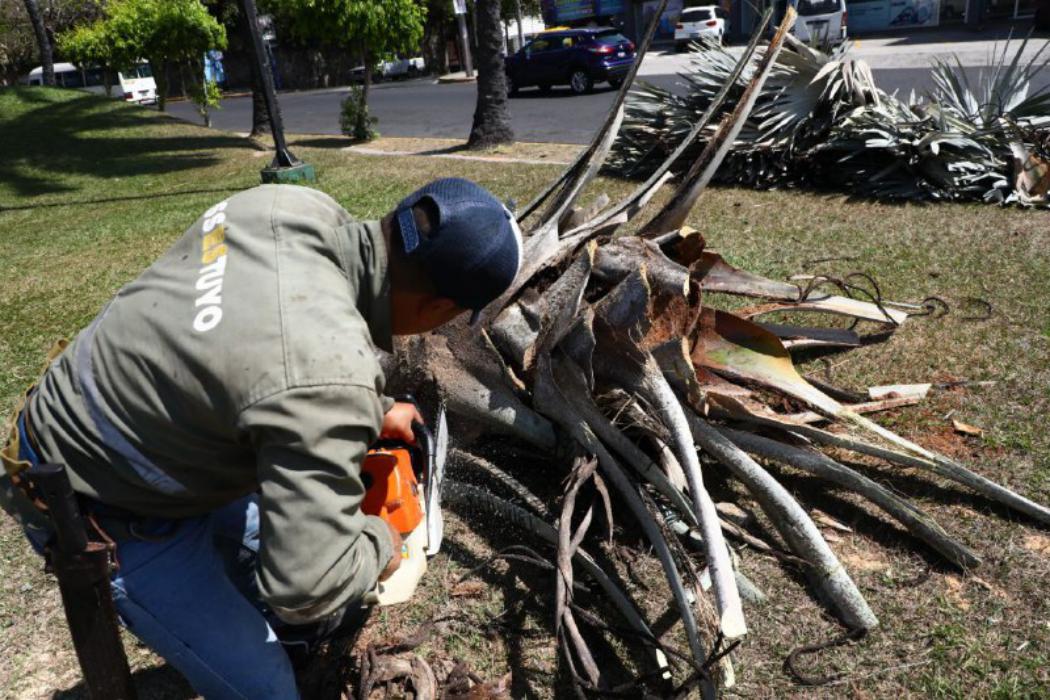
[392, 489]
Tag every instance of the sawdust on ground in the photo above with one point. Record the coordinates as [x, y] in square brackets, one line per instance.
[1040, 544]
[857, 554]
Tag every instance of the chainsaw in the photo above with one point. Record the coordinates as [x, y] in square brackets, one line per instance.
[403, 487]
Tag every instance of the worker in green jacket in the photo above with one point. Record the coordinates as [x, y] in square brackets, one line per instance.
[214, 416]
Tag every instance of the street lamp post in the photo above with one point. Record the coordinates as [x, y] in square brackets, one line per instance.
[285, 167]
[460, 9]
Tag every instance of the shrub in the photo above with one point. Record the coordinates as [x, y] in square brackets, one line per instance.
[207, 96]
[354, 119]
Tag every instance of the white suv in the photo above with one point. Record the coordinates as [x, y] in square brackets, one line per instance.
[707, 22]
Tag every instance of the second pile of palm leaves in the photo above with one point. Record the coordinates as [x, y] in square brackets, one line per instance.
[822, 121]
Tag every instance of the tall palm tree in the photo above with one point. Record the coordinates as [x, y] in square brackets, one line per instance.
[491, 115]
[42, 41]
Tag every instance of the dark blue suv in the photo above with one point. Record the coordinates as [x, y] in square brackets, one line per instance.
[577, 57]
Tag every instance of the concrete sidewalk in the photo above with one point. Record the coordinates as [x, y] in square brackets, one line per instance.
[917, 48]
[902, 49]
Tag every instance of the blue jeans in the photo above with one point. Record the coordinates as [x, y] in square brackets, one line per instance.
[190, 598]
[189, 595]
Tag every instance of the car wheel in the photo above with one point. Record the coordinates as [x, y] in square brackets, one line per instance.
[615, 83]
[580, 82]
[545, 88]
[681, 46]
[512, 87]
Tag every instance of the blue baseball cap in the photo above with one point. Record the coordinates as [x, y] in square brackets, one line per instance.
[473, 251]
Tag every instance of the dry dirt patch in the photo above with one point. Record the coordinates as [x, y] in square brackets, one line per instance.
[557, 153]
[1040, 544]
[858, 554]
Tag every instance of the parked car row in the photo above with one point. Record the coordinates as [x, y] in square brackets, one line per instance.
[579, 58]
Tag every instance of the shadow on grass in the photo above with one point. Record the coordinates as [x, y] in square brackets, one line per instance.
[90, 135]
[512, 627]
[157, 683]
[127, 198]
[329, 142]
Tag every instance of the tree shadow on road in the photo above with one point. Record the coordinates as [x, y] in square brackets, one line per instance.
[557, 92]
[89, 135]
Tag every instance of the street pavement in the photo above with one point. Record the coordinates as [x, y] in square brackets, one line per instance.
[423, 108]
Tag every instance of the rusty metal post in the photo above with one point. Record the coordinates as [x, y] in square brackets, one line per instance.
[83, 569]
[285, 168]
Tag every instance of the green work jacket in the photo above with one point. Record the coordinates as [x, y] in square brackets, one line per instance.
[243, 359]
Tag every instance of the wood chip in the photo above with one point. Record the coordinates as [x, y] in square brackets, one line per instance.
[469, 589]
[828, 521]
[966, 428]
[898, 391]
[734, 513]
[1040, 544]
[982, 583]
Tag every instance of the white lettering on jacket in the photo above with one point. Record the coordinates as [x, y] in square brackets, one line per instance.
[210, 276]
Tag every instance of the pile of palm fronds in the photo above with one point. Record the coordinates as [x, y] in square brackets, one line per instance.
[606, 364]
[822, 121]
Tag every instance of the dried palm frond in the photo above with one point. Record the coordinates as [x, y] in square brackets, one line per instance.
[821, 120]
[1001, 91]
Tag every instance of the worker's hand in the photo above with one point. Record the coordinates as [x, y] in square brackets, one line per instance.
[397, 423]
[395, 556]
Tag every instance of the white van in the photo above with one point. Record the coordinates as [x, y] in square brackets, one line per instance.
[821, 21]
[134, 84]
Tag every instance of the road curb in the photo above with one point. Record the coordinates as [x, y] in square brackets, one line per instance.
[365, 151]
[454, 78]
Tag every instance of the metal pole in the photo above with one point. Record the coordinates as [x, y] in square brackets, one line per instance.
[283, 158]
[82, 569]
[521, 32]
[464, 45]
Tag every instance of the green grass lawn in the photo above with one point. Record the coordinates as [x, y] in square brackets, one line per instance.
[91, 191]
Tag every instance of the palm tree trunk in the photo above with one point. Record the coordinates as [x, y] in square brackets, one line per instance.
[162, 77]
[44, 44]
[491, 116]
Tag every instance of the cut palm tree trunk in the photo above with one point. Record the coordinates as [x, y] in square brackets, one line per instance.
[623, 315]
[512, 484]
[553, 403]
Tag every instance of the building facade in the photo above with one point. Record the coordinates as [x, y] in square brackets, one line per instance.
[864, 16]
